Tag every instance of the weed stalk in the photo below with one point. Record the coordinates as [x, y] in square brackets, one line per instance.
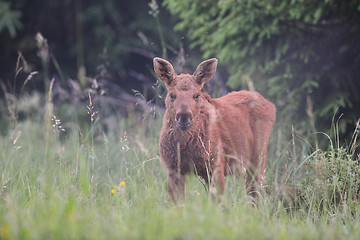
[49, 112]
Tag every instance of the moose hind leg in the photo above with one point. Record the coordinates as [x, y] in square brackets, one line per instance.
[256, 171]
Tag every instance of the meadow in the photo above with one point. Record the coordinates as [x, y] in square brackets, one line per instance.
[75, 180]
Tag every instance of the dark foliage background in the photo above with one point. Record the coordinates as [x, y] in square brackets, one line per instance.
[119, 36]
[303, 55]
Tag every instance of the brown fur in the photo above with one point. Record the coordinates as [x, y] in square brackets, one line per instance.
[211, 137]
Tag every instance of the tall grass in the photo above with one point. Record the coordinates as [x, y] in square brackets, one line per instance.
[107, 186]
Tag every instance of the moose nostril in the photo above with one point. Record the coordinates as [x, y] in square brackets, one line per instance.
[183, 117]
[183, 120]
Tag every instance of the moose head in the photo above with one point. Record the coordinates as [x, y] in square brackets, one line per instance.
[184, 95]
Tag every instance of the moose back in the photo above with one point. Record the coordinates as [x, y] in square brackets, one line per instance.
[211, 137]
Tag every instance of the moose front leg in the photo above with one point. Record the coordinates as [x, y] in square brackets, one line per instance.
[176, 186]
[216, 179]
[217, 173]
[217, 185]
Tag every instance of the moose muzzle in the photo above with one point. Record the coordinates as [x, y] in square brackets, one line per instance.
[184, 119]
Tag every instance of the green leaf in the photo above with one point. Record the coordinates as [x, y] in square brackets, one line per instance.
[317, 15]
[9, 19]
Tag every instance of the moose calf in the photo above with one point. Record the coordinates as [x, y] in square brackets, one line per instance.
[211, 137]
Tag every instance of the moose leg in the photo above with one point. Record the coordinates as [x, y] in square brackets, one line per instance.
[217, 183]
[250, 181]
[176, 186]
[256, 171]
[217, 186]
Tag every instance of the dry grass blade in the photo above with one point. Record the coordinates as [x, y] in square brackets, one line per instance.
[29, 77]
[18, 68]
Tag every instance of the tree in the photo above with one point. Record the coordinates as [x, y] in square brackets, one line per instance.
[113, 38]
[300, 53]
[107, 46]
[9, 19]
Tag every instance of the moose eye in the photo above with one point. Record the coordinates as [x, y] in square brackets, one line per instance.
[172, 96]
[196, 97]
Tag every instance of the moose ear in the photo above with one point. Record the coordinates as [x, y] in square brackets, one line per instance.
[205, 71]
[164, 70]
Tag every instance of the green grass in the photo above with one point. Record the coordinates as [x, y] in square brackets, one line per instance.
[73, 191]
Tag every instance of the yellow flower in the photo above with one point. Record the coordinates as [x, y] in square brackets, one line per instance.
[113, 191]
[4, 232]
[122, 183]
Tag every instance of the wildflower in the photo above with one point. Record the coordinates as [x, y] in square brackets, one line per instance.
[4, 232]
[119, 187]
[113, 191]
[57, 125]
[154, 8]
[124, 143]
